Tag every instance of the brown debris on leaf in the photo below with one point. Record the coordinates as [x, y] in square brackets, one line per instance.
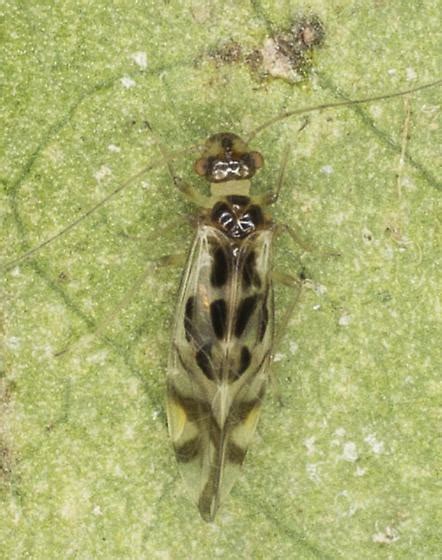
[228, 53]
[288, 54]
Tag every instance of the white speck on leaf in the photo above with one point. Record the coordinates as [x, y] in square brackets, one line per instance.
[376, 446]
[155, 414]
[98, 358]
[129, 432]
[326, 169]
[128, 82]
[312, 472]
[387, 536]
[13, 342]
[118, 471]
[140, 58]
[350, 452]
[163, 555]
[320, 289]
[376, 111]
[344, 320]
[310, 445]
[411, 74]
[407, 183]
[339, 218]
[102, 173]
[97, 510]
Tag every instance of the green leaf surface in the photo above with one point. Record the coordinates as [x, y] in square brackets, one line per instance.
[345, 458]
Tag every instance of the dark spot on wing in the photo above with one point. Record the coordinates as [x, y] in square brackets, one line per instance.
[208, 502]
[194, 408]
[240, 411]
[245, 311]
[263, 322]
[219, 273]
[248, 269]
[249, 273]
[204, 360]
[218, 316]
[245, 360]
[235, 453]
[188, 451]
[188, 314]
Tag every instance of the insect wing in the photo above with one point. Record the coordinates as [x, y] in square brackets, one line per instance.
[219, 361]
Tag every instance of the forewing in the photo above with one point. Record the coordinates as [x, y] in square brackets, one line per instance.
[219, 361]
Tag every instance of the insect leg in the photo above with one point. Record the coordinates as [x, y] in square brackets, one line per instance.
[295, 236]
[290, 281]
[309, 247]
[271, 196]
[151, 267]
[297, 283]
[189, 192]
[27, 254]
[187, 219]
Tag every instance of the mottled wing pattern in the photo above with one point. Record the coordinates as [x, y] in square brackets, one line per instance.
[219, 361]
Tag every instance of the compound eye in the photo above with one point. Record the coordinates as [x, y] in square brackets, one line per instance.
[201, 167]
[258, 160]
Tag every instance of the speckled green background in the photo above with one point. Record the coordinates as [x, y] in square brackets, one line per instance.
[345, 466]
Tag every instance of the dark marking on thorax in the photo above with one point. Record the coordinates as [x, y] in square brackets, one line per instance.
[237, 216]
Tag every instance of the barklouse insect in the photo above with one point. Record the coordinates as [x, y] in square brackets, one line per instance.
[223, 333]
[224, 328]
